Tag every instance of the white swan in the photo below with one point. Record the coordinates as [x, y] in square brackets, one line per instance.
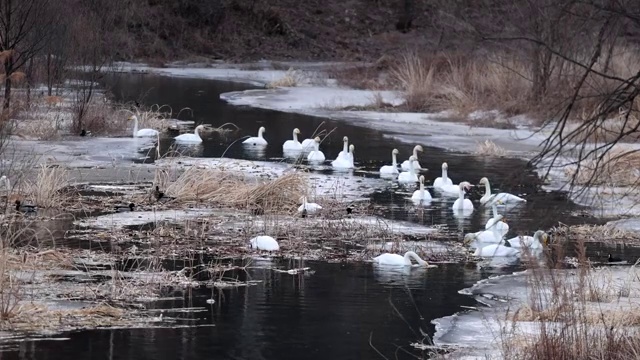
[344, 162]
[293, 145]
[266, 243]
[307, 144]
[310, 207]
[492, 198]
[141, 132]
[192, 138]
[398, 260]
[409, 176]
[345, 149]
[257, 140]
[393, 168]
[462, 204]
[406, 164]
[5, 181]
[535, 242]
[444, 180]
[496, 250]
[316, 155]
[497, 222]
[491, 236]
[421, 194]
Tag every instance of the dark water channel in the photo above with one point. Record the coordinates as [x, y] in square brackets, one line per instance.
[334, 312]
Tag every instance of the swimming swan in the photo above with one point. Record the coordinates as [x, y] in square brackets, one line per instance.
[307, 144]
[497, 222]
[444, 180]
[393, 168]
[266, 243]
[462, 204]
[191, 138]
[491, 235]
[496, 250]
[421, 195]
[491, 198]
[345, 150]
[293, 145]
[257, 140]
[406, 163]
[316, 155]
[398, 260]
[141, 132]
[309, 207]
[344, 162]
[409, 176]
[535, 242]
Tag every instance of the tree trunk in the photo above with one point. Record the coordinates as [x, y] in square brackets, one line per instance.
[8, 68]
[29, 79]
[49, 75]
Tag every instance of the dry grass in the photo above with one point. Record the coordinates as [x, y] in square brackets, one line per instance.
[595, 233]
[583, 313]
[291, 78]
[489, 148]
[46, 189]
[228, 189]
[618, 167]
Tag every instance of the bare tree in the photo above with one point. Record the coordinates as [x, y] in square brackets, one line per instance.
[24, 32]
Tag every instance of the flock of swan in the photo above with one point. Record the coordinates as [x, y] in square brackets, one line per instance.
[488, 243]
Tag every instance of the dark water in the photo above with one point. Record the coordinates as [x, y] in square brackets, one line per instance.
[373, 150]
[332, 313]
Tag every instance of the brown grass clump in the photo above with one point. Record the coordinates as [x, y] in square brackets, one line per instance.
[489, 148]
[618, 167]
[583, 313]
[46, 189]
[416, 78]
[596, 233]
[227, 189]
[291, 78]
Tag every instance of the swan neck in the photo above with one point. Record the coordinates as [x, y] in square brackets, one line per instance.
[260, 131]
[394, 160]
[196, 132]
[461, 194]
[135, 126]
[415, 152]
[487, 188]
[411, 255]
[422, 187]
[295, 137]
[345, 147]
[444, 174]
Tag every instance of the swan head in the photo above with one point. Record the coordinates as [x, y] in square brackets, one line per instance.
[413, 158]
[262, 129]
[418, 148]
[345, 139]
[469, 238]
[296, 131]
[395, 152]
[303, 199]
[542, 237]
[351, 148]
[484, 181]
[200, 127]
[422, 179]
[317, 139]
[465, 185]
[133, 117]
[445, 166]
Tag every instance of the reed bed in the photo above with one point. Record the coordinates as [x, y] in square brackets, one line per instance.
[620, 166]
[230, 189]
[47, 188]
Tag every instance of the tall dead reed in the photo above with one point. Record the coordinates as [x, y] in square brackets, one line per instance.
[582, 313]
